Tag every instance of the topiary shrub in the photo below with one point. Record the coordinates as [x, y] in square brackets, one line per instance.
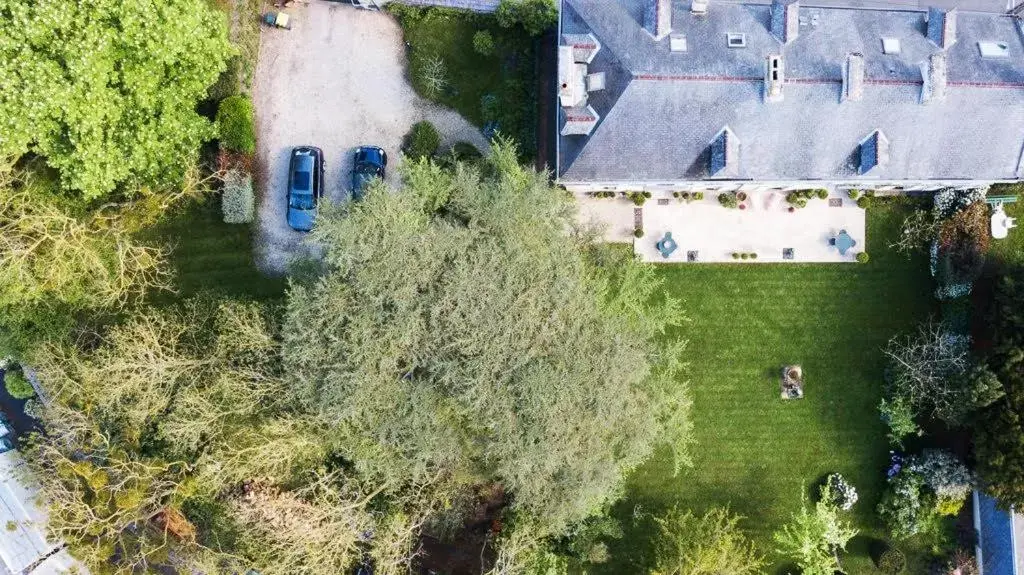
[638, 233]
[698, 195]
[863, 202]
[236, 124]
[17, 386]
[735, 255]
[753, 256]
[728, 200]
[483, 43]
[822, 193]
[863, 258]
[237, 201]
[744, 256]
[854, 194]
[892, 561]
[421, 141]
[638, 198]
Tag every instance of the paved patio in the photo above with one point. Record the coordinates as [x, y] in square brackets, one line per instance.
[766, 227]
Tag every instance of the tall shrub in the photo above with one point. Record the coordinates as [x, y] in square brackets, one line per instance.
[236, 124]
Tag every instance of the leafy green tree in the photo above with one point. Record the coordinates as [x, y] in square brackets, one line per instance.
[899, 416]
[814, 537]
[17, 386]
[106, 90]
[707, 545]
[535, 16]
[461, 333]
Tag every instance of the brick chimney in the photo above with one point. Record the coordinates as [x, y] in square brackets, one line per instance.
[853, 78]
[658, 19]
[933, 71]
[942, 27]
[785, 20]
[773, 78]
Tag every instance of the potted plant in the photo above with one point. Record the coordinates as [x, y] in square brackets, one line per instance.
[638, 233]
[791, 209]
[741, 196]
[743, 206]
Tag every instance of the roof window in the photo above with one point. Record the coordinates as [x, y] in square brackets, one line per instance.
[736, 40]
[677, 42]
[994, 49]
[890, 45]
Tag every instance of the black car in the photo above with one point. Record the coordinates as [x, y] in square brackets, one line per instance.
[305, 186]
[368, 165]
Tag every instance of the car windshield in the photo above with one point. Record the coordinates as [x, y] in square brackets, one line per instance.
[301, 201]
[301, 180]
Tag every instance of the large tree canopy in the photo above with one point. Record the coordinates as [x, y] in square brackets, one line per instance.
[465, 330]
[106, 90]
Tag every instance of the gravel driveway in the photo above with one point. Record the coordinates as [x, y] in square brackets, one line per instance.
[336, 80]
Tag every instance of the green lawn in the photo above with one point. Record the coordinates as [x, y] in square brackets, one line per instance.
[755, 452]
[506, 78]
[1011, 248]
[210, 256]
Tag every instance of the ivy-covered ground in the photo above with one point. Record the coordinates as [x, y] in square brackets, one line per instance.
[497, 87]
[754, 452]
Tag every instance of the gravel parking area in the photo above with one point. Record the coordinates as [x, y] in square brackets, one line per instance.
[336, 80]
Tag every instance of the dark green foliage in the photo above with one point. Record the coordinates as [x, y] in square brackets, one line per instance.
[483, 43]
[999, 435]
[421, 141]
[863, 202]
[498, 90]
[534, 16]
[17, 385]
[236, 123]
[638, 233]
[728, 200]
[892, 561]
[822, 193]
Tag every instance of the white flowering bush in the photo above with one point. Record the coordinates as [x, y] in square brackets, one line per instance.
[838, 492]
[948, 201]
[107, 91]
[945, 475]
[238, 203]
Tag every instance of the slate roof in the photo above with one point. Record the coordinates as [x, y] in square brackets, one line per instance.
[661, 110]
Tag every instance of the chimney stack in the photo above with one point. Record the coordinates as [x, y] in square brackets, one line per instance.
[658, 20]
[785, 20]
[773, 78]
[942, 27]
[934, 73]
[853, 78]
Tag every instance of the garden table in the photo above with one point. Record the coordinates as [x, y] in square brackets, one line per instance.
[844, 242]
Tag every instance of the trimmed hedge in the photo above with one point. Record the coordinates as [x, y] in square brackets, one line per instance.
[238, 202]
[236, 123]
[422, 141]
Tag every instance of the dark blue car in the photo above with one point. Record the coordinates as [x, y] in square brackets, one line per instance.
[369, 165]
[305, 186]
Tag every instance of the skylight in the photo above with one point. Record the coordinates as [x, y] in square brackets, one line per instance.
[736, 40]
[677, 42]
[994, 49]
[890, 45]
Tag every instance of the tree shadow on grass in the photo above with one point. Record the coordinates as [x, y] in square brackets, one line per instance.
[636, 551]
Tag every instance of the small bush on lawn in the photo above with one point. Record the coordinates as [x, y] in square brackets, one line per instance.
[838, 492]
[238, 203]
[18, 386]
[864, 202]
[236, 124]
[892, 561]
[534, 16]
[483, 43]
[422, 141]
[863, 257]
